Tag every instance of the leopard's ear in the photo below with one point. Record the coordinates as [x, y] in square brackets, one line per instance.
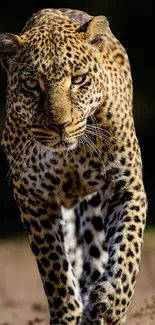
[9, 47]
[95, 31]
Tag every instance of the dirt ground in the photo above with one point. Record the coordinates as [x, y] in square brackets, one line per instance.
[22, 299]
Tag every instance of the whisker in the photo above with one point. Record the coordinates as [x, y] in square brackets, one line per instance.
[104, 138]
[16, 147]
[41, 155]
[81, 141]
[26, 161]
[96, 149]
[71, 152]
[37, 151]
[14, 164]
[88, 145]
[106, 133]
[38, 145]
[10, 153]
[95, 146]
[98, 127]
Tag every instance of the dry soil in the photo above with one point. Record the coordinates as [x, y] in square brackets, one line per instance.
[22, 299]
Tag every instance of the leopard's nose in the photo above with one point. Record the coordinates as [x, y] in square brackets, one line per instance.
[59, 128]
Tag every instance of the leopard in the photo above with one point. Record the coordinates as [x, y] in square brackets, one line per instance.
[75, 162]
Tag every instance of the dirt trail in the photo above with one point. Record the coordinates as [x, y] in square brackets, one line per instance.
[22, 299]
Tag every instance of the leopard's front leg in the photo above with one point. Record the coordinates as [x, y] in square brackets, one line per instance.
[44, 225]
[124, 222]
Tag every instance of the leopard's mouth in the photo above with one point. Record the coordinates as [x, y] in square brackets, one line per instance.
[60, 145]
[55, 141]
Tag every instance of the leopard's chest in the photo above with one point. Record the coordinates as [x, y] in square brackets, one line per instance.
[66, 178]
[78, 183]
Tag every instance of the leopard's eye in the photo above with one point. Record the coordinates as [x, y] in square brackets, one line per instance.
[77, 80]
[30, 84]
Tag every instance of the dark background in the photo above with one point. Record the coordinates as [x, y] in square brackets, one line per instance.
[133, 24]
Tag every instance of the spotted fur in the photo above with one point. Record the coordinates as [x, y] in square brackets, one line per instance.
[75, 162]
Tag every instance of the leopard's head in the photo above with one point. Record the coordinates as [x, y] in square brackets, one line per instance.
[56, 78]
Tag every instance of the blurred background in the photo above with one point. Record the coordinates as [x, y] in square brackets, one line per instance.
[132, 22]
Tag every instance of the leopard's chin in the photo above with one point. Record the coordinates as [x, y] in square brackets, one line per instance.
[61, 146]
